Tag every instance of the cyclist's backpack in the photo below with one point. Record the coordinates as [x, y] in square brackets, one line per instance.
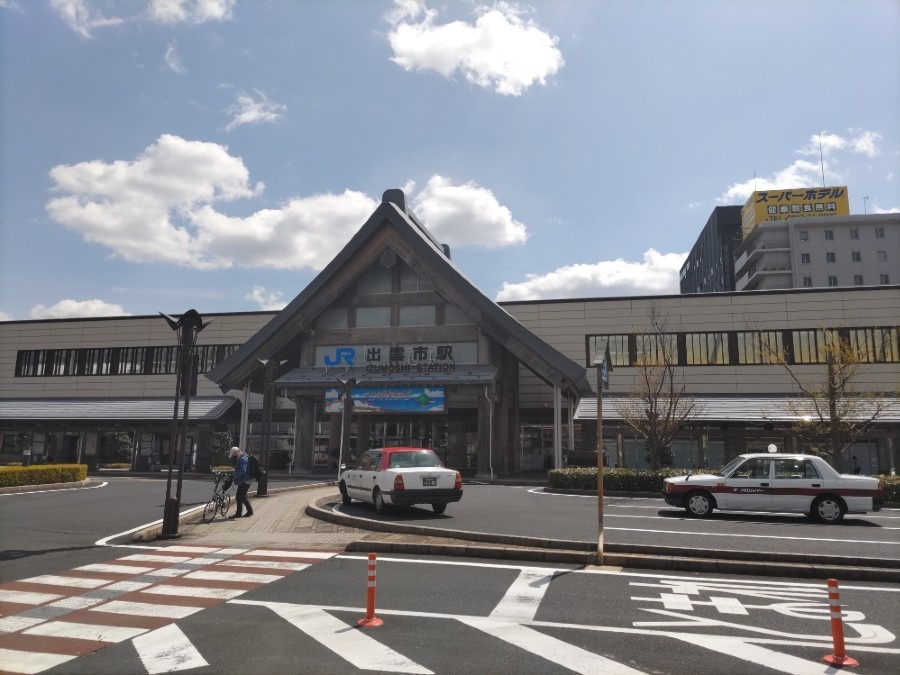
[253, 467]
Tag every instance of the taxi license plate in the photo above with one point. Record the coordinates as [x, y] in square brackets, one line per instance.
[429, 481]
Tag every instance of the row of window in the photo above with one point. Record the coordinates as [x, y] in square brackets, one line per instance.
[854, 234]
[858, 280]
[114, 360]
[392, 315]
[855, 256]
[869, 345]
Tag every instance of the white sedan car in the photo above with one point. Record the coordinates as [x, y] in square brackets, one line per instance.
[401, 476]
[776, 482]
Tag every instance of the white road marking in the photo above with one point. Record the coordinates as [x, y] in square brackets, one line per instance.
[28, 598]
[128, 586]
[12, 624]
[189, 549]
[146, 609]
[116, 569]
[234, 576]
[549, 648]
[15, 661]
[351, 645]
[760, 656]
[75, 582]
[76, 602]
[166, 650]
[40, 492]
[757, 536]
[524, 595]
[267, 564]
[153, 557]
[319, 555]
[85, 631]
[195, 591]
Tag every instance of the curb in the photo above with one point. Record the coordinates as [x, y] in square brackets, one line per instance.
[154, 531]
[533, 549]
[47, 486]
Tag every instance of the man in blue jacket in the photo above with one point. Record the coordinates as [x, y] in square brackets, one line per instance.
[242, 480]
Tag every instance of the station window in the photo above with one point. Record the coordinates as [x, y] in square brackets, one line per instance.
[804, 258]
[377, 280]
[373, 317]
[334, 318]
[854, 233]
[131, 360]
[830, 257]
[417, 315]
[829, 235]
[809, 346]
[454, 317]
[759, 347]
[706, 348]
[618, 349]
[856, 256]
[656, 349]
[876, 345]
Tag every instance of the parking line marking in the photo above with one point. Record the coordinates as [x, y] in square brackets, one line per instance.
[524, 595]
[167, 649]
[547, 647]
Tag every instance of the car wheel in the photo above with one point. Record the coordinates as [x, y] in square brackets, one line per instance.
[698, 504]
[439, 508]
[828, 509]
[345, 498]
[378, 499]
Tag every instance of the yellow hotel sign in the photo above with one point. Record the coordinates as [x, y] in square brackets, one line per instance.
[797, 203]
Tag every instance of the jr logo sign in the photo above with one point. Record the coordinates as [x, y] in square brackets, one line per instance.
[342, 355]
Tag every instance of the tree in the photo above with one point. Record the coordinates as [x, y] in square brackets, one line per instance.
[656, 408]
[220, 444]
[831, 413]
[115, 446]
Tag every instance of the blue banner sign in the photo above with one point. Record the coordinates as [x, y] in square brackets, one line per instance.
[389, 400]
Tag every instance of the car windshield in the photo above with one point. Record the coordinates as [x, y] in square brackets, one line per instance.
[727, 468]
[419, 458]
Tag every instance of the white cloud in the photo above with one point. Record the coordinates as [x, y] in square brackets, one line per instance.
[501, 50]
[466, 215]
[140, 209]
[878, 209]
[83, 18]
[164, 207]
[173, 60]
[808, 173]
[80, 17]
[5, 317]
[194, 11]
[250, 110]
[266, 301]
[69, 309]
[657, 274]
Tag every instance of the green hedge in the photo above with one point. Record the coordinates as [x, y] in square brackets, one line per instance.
[644, 480]
[616, 480]
[13, 476]
[891, 488]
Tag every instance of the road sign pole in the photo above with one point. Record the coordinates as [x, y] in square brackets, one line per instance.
[599, 465]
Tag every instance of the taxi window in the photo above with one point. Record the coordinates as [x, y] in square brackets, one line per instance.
[753, 468]
[369, 461]
[788, 469]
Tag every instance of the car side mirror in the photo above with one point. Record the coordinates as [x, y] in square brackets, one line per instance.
[343, 467]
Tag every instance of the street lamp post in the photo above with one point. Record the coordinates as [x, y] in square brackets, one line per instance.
[186, 329]
[603, 369]
[347, 384]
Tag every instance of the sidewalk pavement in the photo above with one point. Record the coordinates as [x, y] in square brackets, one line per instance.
[300, 517]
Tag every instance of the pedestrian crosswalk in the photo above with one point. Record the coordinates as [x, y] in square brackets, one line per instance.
[50, 619]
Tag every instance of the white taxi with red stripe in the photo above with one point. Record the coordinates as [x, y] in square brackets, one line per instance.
[401, 476]
[776, 482]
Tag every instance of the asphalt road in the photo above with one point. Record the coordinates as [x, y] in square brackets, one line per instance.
[529, 511]
[41, 532]
[453, 616]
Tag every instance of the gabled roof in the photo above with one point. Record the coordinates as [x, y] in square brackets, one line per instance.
[529, 349]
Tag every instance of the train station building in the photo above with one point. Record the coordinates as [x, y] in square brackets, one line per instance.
[391, 344]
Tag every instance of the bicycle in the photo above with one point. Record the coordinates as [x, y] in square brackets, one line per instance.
[221, 498]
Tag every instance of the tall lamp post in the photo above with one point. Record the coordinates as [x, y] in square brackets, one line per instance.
[347, 383]
[186, 328]
[603, 369]
[271, 365]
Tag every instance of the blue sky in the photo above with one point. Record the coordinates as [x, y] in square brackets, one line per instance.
[159, 155]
